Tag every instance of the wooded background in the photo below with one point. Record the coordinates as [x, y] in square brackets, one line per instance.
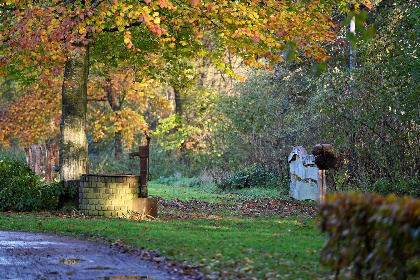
[213, 92]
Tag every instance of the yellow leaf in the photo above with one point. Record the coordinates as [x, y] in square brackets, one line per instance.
[247, 261]
[127, 40]
[146, 9]
[156, 20]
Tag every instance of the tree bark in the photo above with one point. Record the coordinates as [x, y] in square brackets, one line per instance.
[118, 137]
[74, 159]
[353, 152]
[115, 101]
[178, 101]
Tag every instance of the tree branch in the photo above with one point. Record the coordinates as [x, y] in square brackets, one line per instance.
[96, 3]
[96, 100]
[8, 8]
[114, 29]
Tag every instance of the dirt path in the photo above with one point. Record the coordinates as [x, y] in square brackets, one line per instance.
[40, 256]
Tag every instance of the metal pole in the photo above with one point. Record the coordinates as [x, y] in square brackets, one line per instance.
[352, 50]
[352, 93]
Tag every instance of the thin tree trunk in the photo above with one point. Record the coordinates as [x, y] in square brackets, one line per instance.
[115, 102]
[118, 146]
[178, 101]
[74, 159]
[353, 152]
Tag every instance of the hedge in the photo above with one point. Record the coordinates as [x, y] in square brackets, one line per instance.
[372, 236]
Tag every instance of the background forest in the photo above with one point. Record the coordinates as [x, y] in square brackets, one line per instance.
[207, 122]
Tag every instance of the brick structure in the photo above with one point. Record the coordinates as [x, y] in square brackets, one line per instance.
[109, 195]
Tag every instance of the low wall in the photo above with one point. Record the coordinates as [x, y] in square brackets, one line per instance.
[109, 195]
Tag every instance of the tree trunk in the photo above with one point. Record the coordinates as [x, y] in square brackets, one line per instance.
[74, 159]
[178, 101]
[353, 151]
[118, 146]
[115, 102]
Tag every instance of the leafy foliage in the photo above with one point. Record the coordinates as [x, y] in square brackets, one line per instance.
[250, 177]
[124, 104]
[386, 186]
[166, 180]
[22, 190]
[186, 143]
[142, 31]
[31, 118]
[372, 235]
[269, 114]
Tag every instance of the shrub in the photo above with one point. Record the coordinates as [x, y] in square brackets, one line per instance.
[385, 186]
[22, 190]
[372, 235]
[166, 180]
[250, 177]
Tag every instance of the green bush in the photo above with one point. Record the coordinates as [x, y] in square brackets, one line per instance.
[22, 190]
[385, 186]
[166, 180]
[373, 236]
[250, 177]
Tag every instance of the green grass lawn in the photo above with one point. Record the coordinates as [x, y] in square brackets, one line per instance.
[224, 235]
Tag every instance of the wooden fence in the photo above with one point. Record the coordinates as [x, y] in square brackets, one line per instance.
[42, 159]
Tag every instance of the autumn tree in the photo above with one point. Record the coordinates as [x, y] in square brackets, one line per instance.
[121, 106]
[32, 117]
[44, 39]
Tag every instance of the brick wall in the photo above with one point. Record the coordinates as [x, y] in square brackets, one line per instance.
[109, 195]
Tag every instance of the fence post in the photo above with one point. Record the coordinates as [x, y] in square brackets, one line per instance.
[28, 154]
[51, 160]
[37, 159]
[322, 185]
[40, 162]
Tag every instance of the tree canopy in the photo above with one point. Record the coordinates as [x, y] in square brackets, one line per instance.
[46, 40]
[36, 36]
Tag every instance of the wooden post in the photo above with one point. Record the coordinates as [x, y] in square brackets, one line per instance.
[50, 161]
[28, 154]
[322, 185]
[35, 158]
